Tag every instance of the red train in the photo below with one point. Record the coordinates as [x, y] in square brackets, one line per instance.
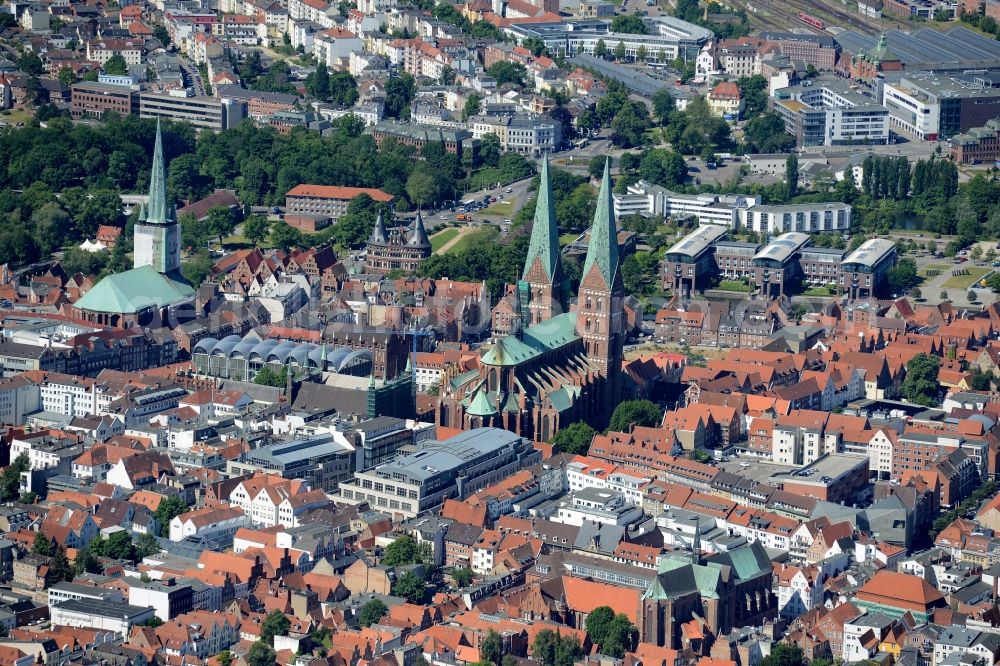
[812, 20]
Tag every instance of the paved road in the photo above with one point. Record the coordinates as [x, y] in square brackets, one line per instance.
[519, 194]
[191, 75]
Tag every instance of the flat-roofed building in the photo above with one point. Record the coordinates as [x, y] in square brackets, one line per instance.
[92, 98]
[455, 467]
[820, 265]
[202, 112]
[321, 461]
[776, 264]
[828, 112]
[102, 615]
[863, 272]
[689, 263]
[735, 259]
[807, 218]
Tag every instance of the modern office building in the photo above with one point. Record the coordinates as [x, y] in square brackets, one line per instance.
[734, 210]
[802, 218]
[92, 98]
[828, 112]
[202, 112]
[777, 263]
[670, 36]
[455, 467]
[690, 263]
[863, 272]
[929, 106]
[321, 461]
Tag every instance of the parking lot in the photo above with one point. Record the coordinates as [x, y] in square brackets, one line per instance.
[753, 468]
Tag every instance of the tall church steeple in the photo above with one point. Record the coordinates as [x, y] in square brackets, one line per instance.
[600, 307]
[541, 291]
[158, 211]
[157, 236]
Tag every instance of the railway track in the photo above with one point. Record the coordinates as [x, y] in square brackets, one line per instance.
[783, 14]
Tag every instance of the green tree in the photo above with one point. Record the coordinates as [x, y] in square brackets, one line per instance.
[59, 567]
[629, 23]
[221, 222]
[284, 236]
[505, 71]
[399, 92]
[66, 76]
[447, 76]
[343, 89]
[197, 267]
[535, 45]
[87, 562]
[119, 546]
[52, 226]
[423, 188]
[146, 545]
[268, 377]
[167, 510]
[765, 133]
[619, 51]
[629, 125]
[400, 552]
[116, 65]
[31, 64]
[637, 412]
[664, 105]
[372, 612]
[921, 383]
[754, 91]
[41, 545]
[411, 587]
[574, 438]
[663, 167]
[784, 654]
[472, 105]
[792, 175]
[462, 577]
[600, 49]
[318, 83]
[162, 36]
[598, 623]
[255, 228]
[10, 478]
[903, 276]
[275, 624]
[225, 658]
[261, 654]
[491, 648]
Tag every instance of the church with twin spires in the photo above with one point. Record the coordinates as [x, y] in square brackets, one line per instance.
[554, 365]
[143, 296]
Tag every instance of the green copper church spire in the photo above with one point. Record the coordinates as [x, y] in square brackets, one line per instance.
[158, 210]
[603, 246]
[544, 233]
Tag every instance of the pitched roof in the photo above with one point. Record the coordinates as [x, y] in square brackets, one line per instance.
[335, 192]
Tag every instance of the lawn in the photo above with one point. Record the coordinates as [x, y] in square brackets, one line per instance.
[975, 274]
[820, 291]
[733, 285]
[438, 240]
[930, 270]
[500, 209]
[14, 116]
[566, 239]
[462, 243]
